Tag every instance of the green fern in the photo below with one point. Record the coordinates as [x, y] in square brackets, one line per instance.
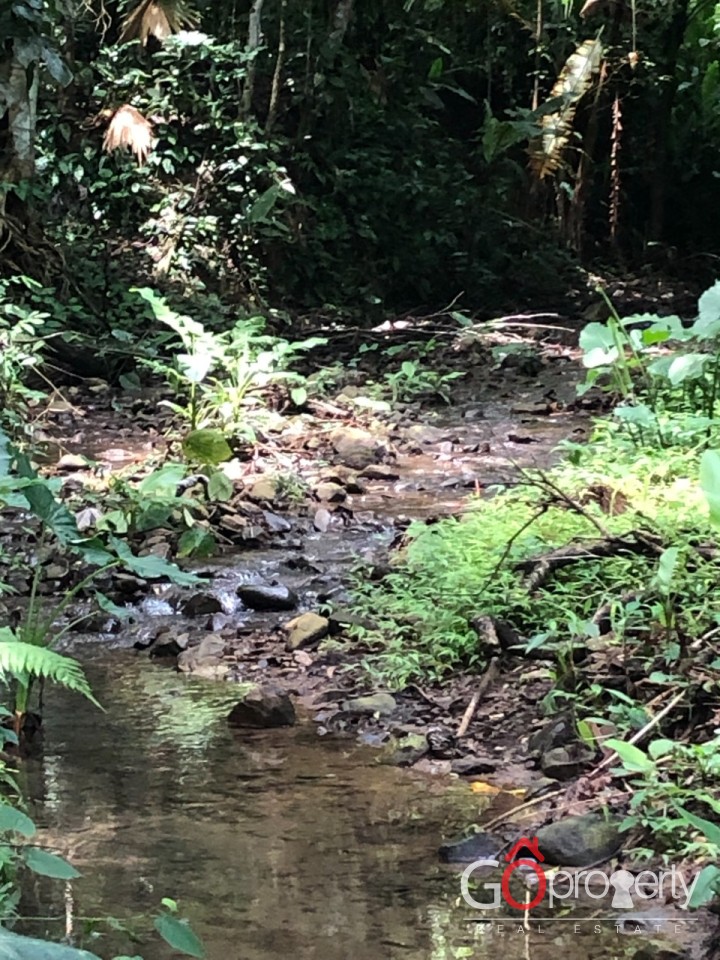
[25, 662]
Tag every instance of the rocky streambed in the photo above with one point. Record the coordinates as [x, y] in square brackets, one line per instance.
[229, 699]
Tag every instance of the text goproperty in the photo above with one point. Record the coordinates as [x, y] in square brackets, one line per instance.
[626, 889]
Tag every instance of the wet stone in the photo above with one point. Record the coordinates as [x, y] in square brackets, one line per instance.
[330, 492]
[201, 605]
[381, 703]
[263, 706]
[465, 766]
[265, 489]
[356, 448]
[580, 841]
[305, 630]
[275, 523]
[405, 750]
[258, 596]
[207, 656]
[566, 763]
[480, 846]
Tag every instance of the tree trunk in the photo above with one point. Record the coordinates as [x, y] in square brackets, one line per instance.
[340, 22]
[253, 46]
[663, 116]
[18, 111]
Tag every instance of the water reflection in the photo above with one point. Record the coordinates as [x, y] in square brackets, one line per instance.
[276, 844]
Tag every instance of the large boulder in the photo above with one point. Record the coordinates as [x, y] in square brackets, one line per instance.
[263, 706]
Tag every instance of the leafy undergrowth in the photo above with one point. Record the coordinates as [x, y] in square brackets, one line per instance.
[450, 572]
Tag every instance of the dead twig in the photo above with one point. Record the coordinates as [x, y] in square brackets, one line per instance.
[508, 546]
[488, 677]
[641, 734]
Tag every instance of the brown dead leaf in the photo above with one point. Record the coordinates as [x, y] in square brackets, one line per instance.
[129, 128]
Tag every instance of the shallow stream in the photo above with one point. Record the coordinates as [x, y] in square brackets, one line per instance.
[279, 843]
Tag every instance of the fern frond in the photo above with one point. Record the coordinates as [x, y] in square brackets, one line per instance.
[575, 80]
[24, 662]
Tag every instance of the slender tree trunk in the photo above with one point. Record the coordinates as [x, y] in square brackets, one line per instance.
[663, 117]
[253, 46]
[341, 21]
[277, 74]
[18, 100]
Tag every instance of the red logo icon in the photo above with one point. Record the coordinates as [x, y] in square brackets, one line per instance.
[532, 845]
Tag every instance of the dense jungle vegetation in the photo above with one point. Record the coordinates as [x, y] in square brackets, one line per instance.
[226, 203]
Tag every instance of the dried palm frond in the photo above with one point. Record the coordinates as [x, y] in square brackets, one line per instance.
[129, 128]
[157, 18]
[575, 80]
[616, 141]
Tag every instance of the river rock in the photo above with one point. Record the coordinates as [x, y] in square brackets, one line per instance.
[480, 846]
[72, 461]
[263, 706]
[265, 489]
[404, 751]
[168, 646]
[275, 523]
[378, 471]
[580, 841]
[201, 605]
[305, 630]
[465, 766]
[330, 492]
[381, 703]
[566, 763]
[207, 659]
[265, 596]
[559, 731]
[356, 448]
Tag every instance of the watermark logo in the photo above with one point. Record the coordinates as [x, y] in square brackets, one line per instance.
[625, 889]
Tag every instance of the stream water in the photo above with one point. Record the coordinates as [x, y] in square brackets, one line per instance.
[275, 843]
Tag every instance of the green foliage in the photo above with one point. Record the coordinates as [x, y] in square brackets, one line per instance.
[413, 379]
[21, 354]
[455, 570]
[220, 377]
[669, 778]
[669, 396]
[177, 933]
[25, 653]
[24, 662]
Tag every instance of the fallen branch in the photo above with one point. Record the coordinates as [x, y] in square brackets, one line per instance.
[539, 569]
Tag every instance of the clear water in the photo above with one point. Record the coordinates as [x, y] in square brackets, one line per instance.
[277, 844]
